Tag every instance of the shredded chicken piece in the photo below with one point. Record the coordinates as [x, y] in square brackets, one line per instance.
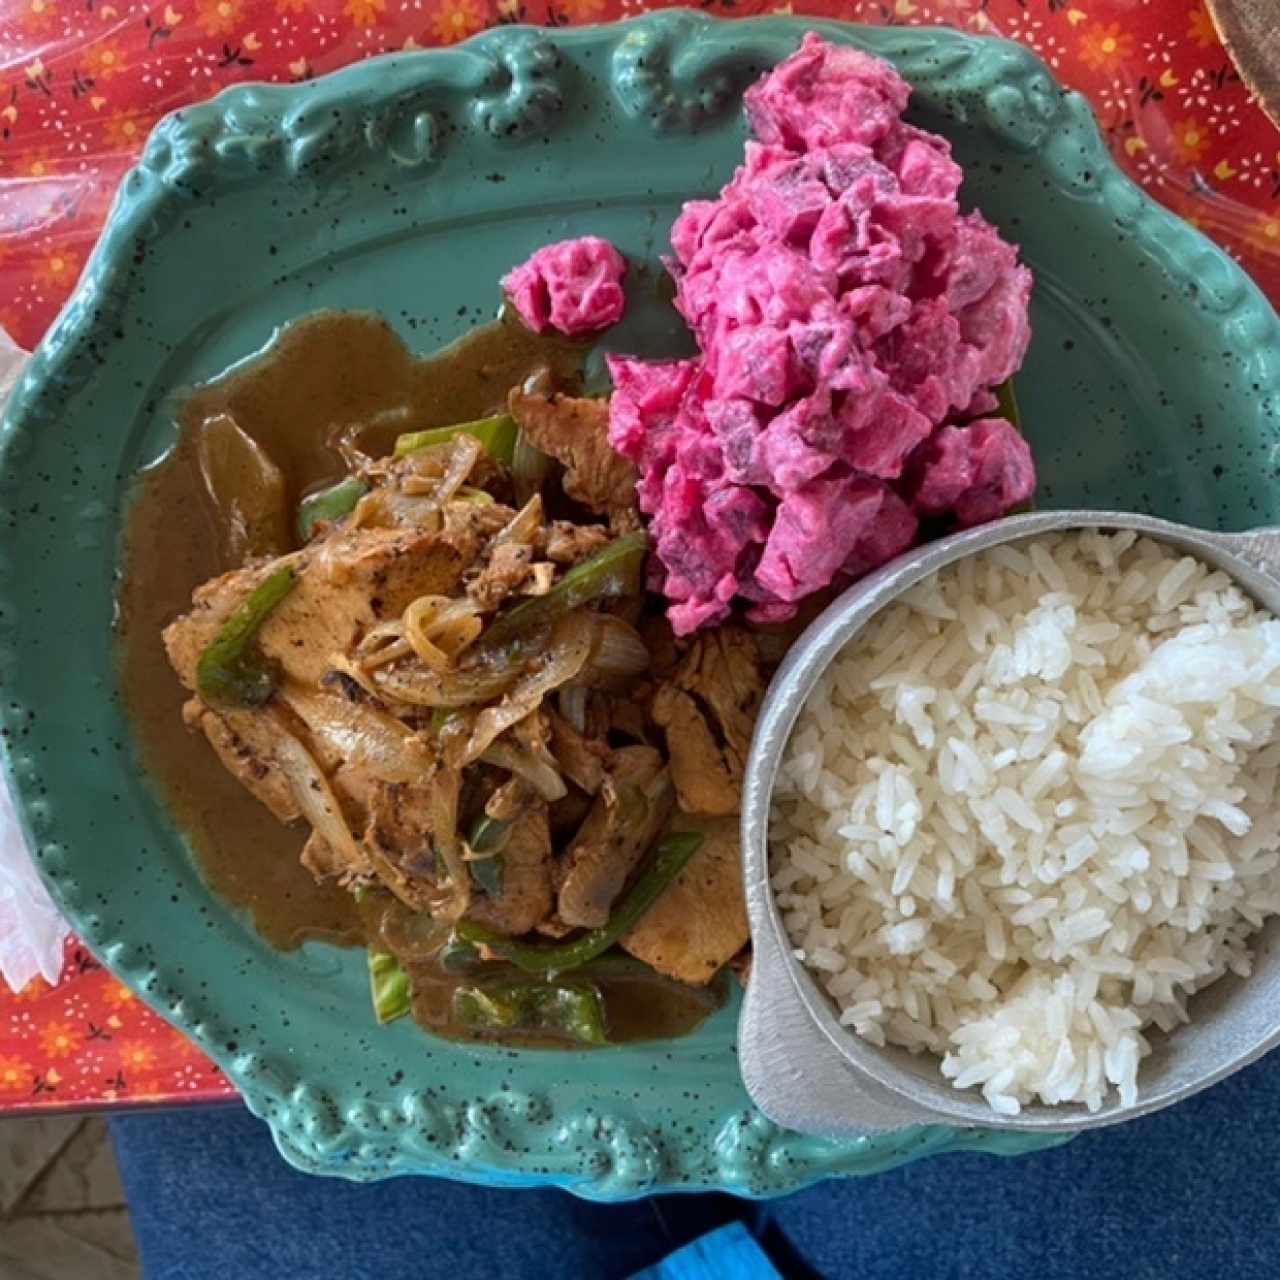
[708, 710]
[576, 433]
[526, 877]
[700, 922]
[507, 570]
[581, 759]
[566, 543]
[632, 807]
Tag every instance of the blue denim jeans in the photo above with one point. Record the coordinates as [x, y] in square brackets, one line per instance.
[1192, 1192]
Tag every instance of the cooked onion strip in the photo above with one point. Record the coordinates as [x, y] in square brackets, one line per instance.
[573, 705]
[387, 508]
[523, 525]
[315, 798]
[465, 450]
[539, 774]
[343, 665]
[382, 644]
[567, 652]
[439, 629]
[618, 652]
[361, 736]
[424, 687]
[444, 837]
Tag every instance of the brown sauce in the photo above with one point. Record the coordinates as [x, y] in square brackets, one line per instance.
[323, 375]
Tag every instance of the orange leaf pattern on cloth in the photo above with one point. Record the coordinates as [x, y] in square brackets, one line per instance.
[82, 82]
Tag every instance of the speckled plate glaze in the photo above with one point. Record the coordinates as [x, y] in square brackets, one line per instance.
[408, 185]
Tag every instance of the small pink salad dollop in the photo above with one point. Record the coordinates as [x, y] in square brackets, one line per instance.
[852, 325]
[573, 286]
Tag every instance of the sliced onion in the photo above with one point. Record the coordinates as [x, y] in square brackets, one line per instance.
[568, 649]
[423, 687]
[439, 628]
[361, 736]
[618, 652]
[444, 837]
[339, 662]
[387, 508]
[531, 469]
[464, 452]
[474, 497]
[384, 643]
[411, 935]
[523, 764]
[523, 525]
[573, 705]
[316, 800]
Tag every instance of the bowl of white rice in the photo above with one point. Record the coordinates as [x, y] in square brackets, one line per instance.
[1011, 824]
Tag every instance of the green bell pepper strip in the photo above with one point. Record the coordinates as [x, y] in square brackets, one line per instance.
[576, 1011]
[388, 987]
[488, 837]
[668, 859]
[496, 434]
[329, 504]
[231, 672]
[614, 570]
[457, 956]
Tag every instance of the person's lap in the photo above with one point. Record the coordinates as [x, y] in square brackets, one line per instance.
[1192, 1191]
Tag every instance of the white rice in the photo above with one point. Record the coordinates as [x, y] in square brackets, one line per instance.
[1031, 810]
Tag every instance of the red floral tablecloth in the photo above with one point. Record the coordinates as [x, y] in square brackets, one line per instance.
[82, 81]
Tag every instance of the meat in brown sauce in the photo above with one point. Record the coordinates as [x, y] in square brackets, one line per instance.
[576, 433]
[525, 898]
[700, 923]
[707, 711]
[382, 693]
[629, 813]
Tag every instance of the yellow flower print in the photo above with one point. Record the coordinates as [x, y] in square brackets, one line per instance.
[61, 1039]
[105, 60]
[364, 13]
[456, 20]
[1105, 47]
[58, 268]
[37, 986]
[1265, 233]
[15, 1075]
[126, 131]
[219, 17]
[137, 1056]
[36, 164]
[39, 15]
[291, 6]
[1201, 29]
[1189, 140]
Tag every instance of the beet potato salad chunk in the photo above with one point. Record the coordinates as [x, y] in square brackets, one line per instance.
[852, 325]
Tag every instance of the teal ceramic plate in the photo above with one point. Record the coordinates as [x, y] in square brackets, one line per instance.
[408, 185]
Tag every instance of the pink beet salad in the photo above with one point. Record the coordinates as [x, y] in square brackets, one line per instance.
[852, 325]
[573, 286]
